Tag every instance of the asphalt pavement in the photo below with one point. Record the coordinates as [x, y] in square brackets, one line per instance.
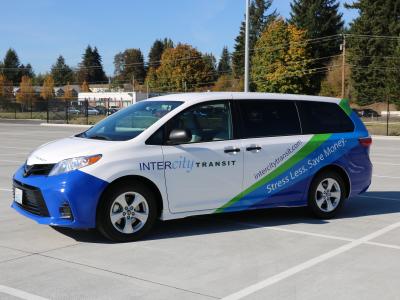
[268, 254]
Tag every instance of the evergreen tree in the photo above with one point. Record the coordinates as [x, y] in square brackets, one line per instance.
[224, 64]
[91, 68]
[130, 64]
[210, 70]
[320, 18]
[168, 43]
[61, 72]
[99, 74]
[155, 54]
[258, 19]
[157, 50]
[372, 73]
[11, 66]
[26, 71]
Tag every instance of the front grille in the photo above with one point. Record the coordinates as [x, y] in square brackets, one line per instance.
[32, 199]
[42, 169]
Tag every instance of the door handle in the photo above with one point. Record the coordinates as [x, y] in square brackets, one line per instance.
[252, 148]
[232, 150]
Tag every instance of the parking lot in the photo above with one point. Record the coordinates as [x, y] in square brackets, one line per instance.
[268, 254]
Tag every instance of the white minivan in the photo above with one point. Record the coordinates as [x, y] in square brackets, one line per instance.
[199, 153]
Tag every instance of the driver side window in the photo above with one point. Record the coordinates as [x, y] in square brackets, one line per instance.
[206, 122]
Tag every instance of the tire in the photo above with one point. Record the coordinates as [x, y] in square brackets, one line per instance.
[327, 194]
[127, 212]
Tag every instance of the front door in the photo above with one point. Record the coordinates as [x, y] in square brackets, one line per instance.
[206, 172]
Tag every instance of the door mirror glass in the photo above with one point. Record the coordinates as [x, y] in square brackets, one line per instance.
[179, 136]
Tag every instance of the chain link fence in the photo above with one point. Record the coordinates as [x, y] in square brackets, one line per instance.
[380, 119]
[57, 111]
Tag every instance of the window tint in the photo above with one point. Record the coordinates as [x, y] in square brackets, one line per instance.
[262, 118]
[320, 117]
[207, 122]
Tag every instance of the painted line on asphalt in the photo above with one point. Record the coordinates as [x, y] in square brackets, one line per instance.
[5, 190]
[383, 245]
[19, 293]
[385, 163]
[332, 237]
[382, 176]
[19, 148]
[379, 198]
[309, 264]
[13, 161]
[313, 234]
[384, 155]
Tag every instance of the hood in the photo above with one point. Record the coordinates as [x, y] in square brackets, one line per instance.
[55, 151]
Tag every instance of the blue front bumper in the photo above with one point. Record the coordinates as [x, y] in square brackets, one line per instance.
[80, 191]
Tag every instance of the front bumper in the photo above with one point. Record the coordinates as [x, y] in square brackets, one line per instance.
[46, 196]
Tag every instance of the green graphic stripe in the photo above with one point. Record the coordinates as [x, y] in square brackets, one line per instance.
[344, 104]
[312, 144]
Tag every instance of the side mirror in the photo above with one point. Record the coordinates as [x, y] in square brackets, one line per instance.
[179, 136]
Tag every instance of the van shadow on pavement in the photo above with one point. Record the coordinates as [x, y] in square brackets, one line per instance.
[372, 203]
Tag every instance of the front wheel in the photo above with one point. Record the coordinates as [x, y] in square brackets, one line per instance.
[127, 212]
[327, 194]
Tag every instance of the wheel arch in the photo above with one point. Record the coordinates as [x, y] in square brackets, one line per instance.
[137, 179]
[341, 171]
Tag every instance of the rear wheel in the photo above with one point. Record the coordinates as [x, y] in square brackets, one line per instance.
[127, 212]
[327, 194]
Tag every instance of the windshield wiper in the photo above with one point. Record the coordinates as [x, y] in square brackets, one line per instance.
[99, 137]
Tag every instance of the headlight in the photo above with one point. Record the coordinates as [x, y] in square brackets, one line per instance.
[71, 164]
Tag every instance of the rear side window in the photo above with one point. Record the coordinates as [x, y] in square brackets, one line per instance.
[263, 118]
[323, 117]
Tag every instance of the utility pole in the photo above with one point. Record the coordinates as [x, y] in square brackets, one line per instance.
[246, 52]
[343, 46]
[133, 83]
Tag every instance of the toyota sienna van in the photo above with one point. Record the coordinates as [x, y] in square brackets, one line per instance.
[200, 153]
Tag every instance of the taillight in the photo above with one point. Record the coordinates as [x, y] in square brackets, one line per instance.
[365, 142]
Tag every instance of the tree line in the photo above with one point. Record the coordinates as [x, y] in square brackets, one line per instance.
[301, 55]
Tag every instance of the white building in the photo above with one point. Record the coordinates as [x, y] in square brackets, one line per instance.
[108, 99]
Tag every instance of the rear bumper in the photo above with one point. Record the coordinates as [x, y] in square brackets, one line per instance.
[77, 190]
[360, 171]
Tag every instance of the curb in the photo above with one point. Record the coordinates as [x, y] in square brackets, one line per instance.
[65, 125]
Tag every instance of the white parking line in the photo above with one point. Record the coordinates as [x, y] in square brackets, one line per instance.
[385, 163]
[12, 161]
[332, 237]
[379, 198]
[310, 263]
[6, 190]
[19, 148]
[381, 176]
[19, 294]
[384, 155]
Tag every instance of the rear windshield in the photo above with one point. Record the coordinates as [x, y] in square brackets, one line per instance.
[320, 117]
[131, 121]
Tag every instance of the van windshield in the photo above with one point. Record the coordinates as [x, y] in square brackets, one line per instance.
[131, 121]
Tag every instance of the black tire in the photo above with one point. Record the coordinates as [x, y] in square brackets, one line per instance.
[131, 189]
[325, 212]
